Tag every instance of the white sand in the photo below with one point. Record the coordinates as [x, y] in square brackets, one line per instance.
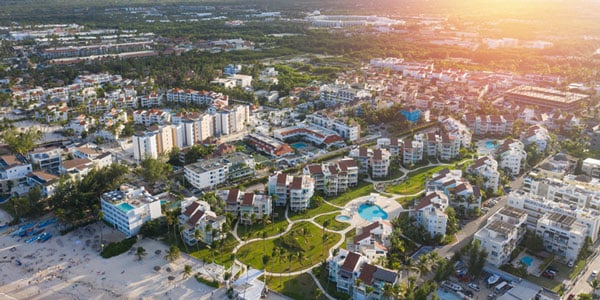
[65, 268]
[4, 217]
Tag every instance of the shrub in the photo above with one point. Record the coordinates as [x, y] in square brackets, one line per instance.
[114, 249]
[211, 283]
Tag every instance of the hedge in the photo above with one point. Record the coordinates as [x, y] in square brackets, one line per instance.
[114, 249]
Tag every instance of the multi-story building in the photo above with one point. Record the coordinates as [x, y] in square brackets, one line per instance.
[76, 168]
[151, 117]
[501, 234]
[231, 119]
[412, 152]
[47, 159]
[150, 100]
[344, 269]
[268, 145]
[348, 129]
[566, 191]
[128, 208]
[445, 146]
[207, 173]
[561, 234]
[373, 282]
[450, 182]
[537, 206]
[254, 207]
[538, 135]
[335, 177]
[457, 130]
[314, 134]
[591, 166]
[45, 181]
[393, 145]
[342, 94]
[375, 161]
[196, 217]
[486, 167]
[595, 139]
[496, 125]
[13, 170]
[430, 213]
[372, 240]
[295, 190]
[547, 99]
[190, 96]
[512, 156]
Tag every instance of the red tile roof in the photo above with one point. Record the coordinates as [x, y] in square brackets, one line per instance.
[194, 219]
[350, 262]
[366, 273]
[248, 199]
[191, 208]
[233, 196]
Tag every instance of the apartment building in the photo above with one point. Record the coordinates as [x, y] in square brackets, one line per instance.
[373, 161]
[249, 207]
[230, 119]
[197, 216]
[445, 146]
[372, 241]
[155, 141]
[595, 139]
[536, 134]
[430, 213]
[512, 156]
[268, 145]
[296, 191]
[496, 125]
[209, 173]
[486, 167]
[14, 167]
[393, 145]
[562, 234]
[314, 134]
[150, 100]
[47, 159]
[501, 234]
[457, 130]
[151, 117]
[189, 96]
[347, 128]
[129, 207]
[333, 178]
[567, 191]
[45, 181]
[591, 167]
[412, 152]
[336, 93]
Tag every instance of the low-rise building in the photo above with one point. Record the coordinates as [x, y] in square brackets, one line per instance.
[200, 223]
[268, 145]
[512, 156]
[561, 234]
[47, 159]
[45, 181]
[206, 173]
[13, 170]
[501, 234]
[128, 208]
[430, 213]
[296, 191]
[316, 135]
[335, 177]
[486, 167]
[372, 240]
[348, 129]
[591, 166]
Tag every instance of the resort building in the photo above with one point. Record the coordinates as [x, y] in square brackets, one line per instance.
[536, 207]
[342, 94]
[569, 192]
[373, 240]
[347, 128]
[248, 207]
[13, 170]
[128, 208]
[344, 269]
[562, 234]
[393, 145]
[293, 190]
[189, 96]
[457, 130]
[375, 161]
[373, 281]
[151, 117]
[268, 145]
[501, 234]
[487, 168]
[209, 173]
[538, 135]
[317, 135]
[546, 99]
[45, 181]
[333, 178]
[495, 125]
[156, 140]
[512, 156]
[150, 100]
[47, 159]
[591, 167]
[445, 146]
[430, 213]
[412, 152]
[197, 216]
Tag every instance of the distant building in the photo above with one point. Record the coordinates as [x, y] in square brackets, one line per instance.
[591, 167]
[545, 99]
[128, 208]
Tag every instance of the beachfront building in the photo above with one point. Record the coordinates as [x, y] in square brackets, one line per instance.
[537, 206]
[501, 234]
[335, 177]
[47, 159]
[373, 240]
[591, 167]
[293, 190]
[561, 234]
[430, 213]
[536, 134]
[512, 156]
[13, 172]
[487, 168]
[128, 208]
[209, 173]
[373, 161]
[347, 128]
[45, 181]
[197, 216]
[249, 207]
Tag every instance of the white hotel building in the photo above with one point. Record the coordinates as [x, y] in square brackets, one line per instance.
[562, 234]
[128, 208]
[502, 233]
[346, 128]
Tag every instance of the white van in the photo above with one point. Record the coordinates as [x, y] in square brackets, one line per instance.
[501, 286]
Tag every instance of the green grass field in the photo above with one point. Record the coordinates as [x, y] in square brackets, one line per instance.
[310, 244]
[278, 225]
[415, 181]
[309, 213]
[333, 223]
[296, 287]
[221, 256]
[363, 189]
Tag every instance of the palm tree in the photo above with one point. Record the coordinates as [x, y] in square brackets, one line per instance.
[100, 218]
[181, 229]
[595, 286]
[140, 252]
[170, 222]
[300, 257]
[290, 256]
[388, 291]
[198, 237]
[318, 293]
[187, 271]
[173, 253]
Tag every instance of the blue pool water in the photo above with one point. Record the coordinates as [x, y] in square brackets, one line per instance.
[447, 295]
[299, 145]
[527, 260]
[163, 202]
[125, 207]
[371, 211]
[490, 144]
[343, 218]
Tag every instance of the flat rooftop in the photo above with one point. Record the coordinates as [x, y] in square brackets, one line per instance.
[545, 94]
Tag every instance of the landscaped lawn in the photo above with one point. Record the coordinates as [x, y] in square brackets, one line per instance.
[296, 287]
[415, 181]
[278, 225]
[363, 189]
[333, 223]
[221, 255]
[310, 243]
[311, 212]
[321, 274]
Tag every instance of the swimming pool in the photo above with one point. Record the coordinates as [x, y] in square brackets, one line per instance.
[527, 260]
[299, 145]
[343, 218]
[489, 144]
[447, 295]
[125, 207]
[371, 212]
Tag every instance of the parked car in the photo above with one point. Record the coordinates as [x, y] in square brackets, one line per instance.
[549, 274]
[594, 273]
[474, 287]
[571, 264]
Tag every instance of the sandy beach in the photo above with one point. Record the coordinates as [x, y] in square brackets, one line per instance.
[4, 217]
[70, 267]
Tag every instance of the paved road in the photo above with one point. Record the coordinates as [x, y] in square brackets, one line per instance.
[581, 284]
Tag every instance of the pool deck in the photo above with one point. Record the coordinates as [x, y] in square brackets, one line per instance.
[533, 269]
[389, 205]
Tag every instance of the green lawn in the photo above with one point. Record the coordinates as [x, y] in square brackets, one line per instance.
[278, 225]
[415, 181]
[349, 237]
[309, 213]
[222, 256]
[321, 274]
[296, 287]
[333, 223]
[311, 244]
[363, 189]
